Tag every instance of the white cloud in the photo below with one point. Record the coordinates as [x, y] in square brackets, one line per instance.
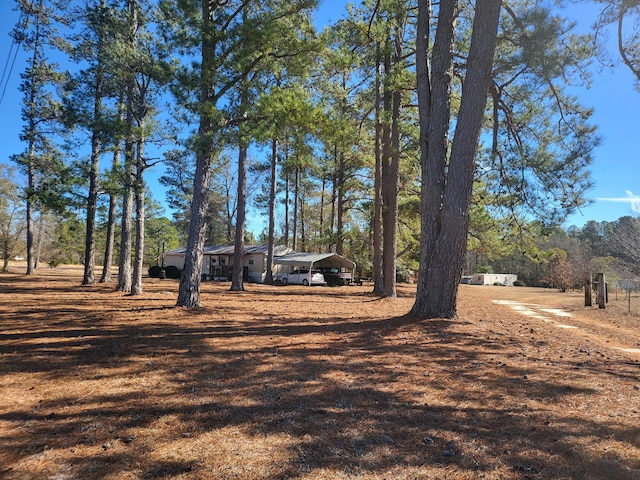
[633, 200]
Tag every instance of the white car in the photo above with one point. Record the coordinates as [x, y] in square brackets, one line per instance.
[302, 277]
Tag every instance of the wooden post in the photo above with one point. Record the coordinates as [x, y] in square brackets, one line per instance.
[601, 290]
[588, 285]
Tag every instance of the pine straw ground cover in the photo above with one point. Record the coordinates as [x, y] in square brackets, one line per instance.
[313, 383]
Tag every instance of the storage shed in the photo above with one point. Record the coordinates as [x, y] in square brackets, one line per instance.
[506, 279]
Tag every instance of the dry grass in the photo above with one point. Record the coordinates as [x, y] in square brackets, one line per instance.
[312, 383]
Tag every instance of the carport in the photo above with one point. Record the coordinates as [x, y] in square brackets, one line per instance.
[318, 260]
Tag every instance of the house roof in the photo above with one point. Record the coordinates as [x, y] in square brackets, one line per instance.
[315, 259]
[230, 250]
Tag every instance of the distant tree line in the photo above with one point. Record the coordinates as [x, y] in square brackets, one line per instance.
[561, 257]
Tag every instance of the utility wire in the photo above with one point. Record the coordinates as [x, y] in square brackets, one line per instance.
[4, 90]
[6, 64]
[13, 62]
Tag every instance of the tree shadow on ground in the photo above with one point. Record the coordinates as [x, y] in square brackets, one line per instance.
[187, 397]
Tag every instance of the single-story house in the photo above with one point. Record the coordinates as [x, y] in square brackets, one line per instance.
[318, 261]
[217, 262]
[506, 279]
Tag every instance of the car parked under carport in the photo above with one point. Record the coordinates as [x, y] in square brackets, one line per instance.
[302, 276]
[336, 269]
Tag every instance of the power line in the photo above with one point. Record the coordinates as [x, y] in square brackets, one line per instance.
[6, 64]
[15, 55]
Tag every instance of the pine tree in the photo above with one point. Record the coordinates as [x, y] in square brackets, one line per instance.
[447, 185]
[40, 111]
[223, 64]
[90, 84]
[541, 141]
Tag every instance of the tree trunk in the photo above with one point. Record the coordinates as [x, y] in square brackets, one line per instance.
[272, 211]
[334, 197]
[390, 197]
[385, 158]
[189, 289]
[323, 192]
[29, 213]
[94, 172]
[303, 237]
[340, 210]
[38, 247]
[31, 133]
[109, 241]
[447, 192]
[377, 187]
[92, 206]
[287, 201]
[124, 264]
[136, 282]
[237, 282]
[113, 202]
[294, 233]
[229, 214]
[391, 169]
[124, 270]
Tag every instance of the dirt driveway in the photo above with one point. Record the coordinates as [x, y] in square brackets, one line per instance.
[313, 383]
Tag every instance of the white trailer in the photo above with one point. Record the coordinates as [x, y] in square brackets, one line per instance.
[506, 279]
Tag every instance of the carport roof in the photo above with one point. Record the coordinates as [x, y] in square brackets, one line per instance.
[317, 259]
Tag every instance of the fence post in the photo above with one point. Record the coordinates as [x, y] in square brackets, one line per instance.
[601, 290]
[588, 283]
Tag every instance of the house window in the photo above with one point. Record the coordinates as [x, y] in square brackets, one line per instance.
[251, 260]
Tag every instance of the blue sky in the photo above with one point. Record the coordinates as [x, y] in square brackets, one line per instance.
[616, 102]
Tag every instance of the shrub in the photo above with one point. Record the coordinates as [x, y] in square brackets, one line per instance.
[404, 274]
[172, 272]
[154, 272]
